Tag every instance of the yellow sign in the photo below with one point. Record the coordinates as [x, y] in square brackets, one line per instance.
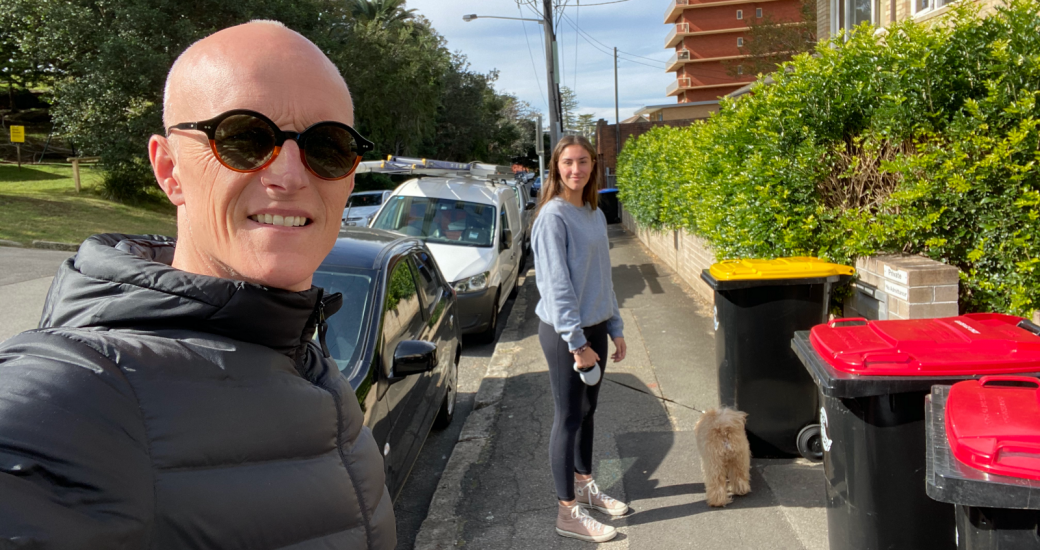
[17, 134]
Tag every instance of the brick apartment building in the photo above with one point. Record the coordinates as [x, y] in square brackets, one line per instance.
[708, 38]
[833, 16]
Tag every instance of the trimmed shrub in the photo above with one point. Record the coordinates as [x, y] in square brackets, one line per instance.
[918, 140]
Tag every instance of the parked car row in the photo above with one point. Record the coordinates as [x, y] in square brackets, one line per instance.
[441, 257]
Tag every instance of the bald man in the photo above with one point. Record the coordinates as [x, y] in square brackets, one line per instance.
[173, 396]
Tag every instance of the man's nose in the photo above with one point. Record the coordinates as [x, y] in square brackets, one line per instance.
[287, 173]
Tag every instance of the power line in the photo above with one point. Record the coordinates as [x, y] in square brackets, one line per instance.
[608, 50]
[598, 47]
[606, 3]
[531, 54]
[584, 32]
[577, 14]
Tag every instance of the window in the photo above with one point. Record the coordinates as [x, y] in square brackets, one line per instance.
[740, 14]
[402, 312]
[505, 227]
[345, 329]
[758, 12]
[740, 69]
[446, 221]
[429, 282]
[923, 6]
[740, 42]
[846, 14]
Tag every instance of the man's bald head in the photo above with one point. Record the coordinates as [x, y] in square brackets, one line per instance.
[255, 52]
[231, 223]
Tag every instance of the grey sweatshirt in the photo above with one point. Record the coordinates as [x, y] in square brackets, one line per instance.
[572, 266]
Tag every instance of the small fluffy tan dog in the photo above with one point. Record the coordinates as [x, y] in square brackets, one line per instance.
[725, 454]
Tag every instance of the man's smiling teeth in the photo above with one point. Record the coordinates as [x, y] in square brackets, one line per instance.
[286, 221]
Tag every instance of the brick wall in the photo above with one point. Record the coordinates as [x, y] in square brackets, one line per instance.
[904, 287]
[888, 287]
[606, 136]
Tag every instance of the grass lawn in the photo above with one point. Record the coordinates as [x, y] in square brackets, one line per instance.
[39, 202]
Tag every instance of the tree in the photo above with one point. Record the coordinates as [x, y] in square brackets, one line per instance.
[386, 12]
[396, 76]
[770, 42]
[569, 110]
[587, 127]
[108, 85]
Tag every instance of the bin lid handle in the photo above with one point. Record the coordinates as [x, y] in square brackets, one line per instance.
[847, 320]
[873, 360]
[1030, 326]
[986, 381]
[1021, 450]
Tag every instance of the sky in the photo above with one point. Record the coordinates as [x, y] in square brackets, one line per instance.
[635, 27]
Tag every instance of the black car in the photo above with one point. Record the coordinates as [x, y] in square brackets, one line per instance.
[396, 338]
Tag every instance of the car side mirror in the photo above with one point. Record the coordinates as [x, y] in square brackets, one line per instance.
[530, 205]
[507, 239]
[413, 357]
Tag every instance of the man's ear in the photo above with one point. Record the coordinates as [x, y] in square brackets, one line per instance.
[163, 163]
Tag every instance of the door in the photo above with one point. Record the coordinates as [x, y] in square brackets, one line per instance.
[436, 298]
[402, 320]
[509, 263]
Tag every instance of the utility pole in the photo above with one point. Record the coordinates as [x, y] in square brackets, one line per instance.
[539, 147]
[617, 116]
[552, 65]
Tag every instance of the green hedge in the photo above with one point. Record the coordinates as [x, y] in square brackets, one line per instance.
[916, 140]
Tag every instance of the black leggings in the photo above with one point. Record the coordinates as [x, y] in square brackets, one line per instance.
[570, 445]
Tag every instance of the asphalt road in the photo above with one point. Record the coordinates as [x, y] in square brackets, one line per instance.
[25, 277]
[413, 503]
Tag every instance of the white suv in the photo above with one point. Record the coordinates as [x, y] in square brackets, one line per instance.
[474, 228]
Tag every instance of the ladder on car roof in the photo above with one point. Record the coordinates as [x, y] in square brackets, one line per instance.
[427, 167]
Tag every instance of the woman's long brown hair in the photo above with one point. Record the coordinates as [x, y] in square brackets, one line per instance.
[554, 185]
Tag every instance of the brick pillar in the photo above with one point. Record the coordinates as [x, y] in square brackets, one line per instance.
[903, 287]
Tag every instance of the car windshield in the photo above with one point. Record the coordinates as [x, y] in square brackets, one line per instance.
[346, 325]
[375, 199]
[447, 221]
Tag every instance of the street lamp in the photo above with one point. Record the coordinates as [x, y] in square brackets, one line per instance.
[551, 65]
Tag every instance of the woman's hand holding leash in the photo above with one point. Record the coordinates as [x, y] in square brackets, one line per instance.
[586, 359]
[620, 349]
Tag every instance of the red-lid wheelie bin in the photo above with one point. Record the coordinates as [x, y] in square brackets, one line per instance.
[873, 377]
[984, 458]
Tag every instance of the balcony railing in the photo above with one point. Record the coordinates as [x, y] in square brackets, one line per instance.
[677, 60]
[681, 83]
[675, 35]
[674, 9]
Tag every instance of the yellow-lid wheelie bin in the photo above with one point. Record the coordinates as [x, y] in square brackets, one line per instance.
[759, 304]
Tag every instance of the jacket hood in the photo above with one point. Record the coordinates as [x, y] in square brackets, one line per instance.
[125, 281]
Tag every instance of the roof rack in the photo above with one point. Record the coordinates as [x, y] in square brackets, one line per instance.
[427, 167]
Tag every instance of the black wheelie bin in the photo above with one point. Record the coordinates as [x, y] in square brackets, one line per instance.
[984, 458]
[873, 378]
[759, 304]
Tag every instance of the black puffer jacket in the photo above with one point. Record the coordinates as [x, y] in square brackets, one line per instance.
[159, 409]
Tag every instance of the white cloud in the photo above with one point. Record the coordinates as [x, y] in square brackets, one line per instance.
[635, 27]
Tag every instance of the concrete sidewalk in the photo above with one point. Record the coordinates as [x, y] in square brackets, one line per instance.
[497, 491]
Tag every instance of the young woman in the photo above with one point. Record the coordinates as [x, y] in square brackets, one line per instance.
[578, 311]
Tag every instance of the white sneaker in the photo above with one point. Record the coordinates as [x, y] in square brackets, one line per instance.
[588, 494]
[590, 376]
[575, 522]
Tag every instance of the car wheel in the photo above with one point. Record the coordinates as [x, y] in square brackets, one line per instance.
[488, 335]
[447, 412]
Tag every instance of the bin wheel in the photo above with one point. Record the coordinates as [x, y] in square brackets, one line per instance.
[810, 443]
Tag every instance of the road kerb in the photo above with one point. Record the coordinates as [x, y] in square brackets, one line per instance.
[440, 529]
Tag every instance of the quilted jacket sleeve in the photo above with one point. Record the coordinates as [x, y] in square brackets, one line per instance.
[74, 467]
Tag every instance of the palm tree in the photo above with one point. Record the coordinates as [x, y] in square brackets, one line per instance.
[388, 12]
